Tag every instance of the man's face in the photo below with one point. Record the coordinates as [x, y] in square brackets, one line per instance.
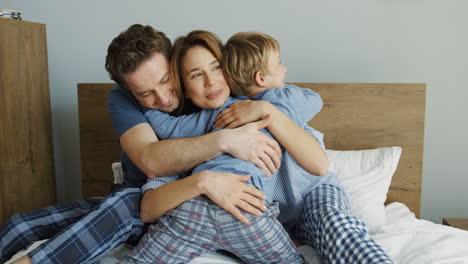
[152, 86]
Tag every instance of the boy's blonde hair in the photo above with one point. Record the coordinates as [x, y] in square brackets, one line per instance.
[245, 54]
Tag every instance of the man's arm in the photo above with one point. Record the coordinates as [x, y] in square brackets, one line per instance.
[168, 157]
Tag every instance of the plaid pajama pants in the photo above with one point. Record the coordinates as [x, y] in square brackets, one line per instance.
[79, 232]
[83, 231]
[327, 224]
[199, 225]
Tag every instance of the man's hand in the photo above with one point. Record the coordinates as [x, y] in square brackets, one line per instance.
[249, 144]
[231, 193]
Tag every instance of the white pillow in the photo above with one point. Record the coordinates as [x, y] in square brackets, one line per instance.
[118, 172]
[366, 176]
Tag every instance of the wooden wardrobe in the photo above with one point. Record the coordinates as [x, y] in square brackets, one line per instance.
[27, 178]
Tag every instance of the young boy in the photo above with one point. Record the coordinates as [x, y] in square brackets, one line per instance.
[244, 241]
[314, 210]
[252, 64]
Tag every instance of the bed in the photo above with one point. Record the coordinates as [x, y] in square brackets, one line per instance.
[374, 135]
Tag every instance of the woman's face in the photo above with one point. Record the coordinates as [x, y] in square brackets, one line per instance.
[203, 79]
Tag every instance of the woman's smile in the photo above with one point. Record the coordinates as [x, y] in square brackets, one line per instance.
[215, 94]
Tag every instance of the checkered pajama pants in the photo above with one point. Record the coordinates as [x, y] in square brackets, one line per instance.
[327, 225]
[79, 232]
[199, 225]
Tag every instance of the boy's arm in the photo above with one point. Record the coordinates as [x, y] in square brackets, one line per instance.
[293, 107]
[302, 146]
[299, 104]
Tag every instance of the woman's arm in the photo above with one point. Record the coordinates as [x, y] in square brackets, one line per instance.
[301, 145]
[227, 190]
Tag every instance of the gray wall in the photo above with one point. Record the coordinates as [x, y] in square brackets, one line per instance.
[322, 41]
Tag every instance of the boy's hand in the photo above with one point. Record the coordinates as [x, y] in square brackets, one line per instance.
[241, 113]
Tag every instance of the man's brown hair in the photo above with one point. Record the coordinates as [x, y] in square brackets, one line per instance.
[133, 46]
[245, 54]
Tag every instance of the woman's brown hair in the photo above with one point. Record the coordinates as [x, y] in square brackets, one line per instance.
[180, 48]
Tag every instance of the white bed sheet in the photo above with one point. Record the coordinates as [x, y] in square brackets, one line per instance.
[407, 240]
[413, 241]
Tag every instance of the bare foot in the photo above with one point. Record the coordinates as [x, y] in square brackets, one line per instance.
[23, 260]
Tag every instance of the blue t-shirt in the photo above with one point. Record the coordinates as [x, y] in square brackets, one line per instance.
[297, 103]
[126, 112]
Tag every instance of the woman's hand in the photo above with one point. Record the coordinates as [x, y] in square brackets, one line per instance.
[241, 113]
[249, 144]
[231, 193]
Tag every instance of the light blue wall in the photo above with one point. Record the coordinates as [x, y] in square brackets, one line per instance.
[322, 41]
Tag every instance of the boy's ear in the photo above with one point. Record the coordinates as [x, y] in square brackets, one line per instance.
[259, 78]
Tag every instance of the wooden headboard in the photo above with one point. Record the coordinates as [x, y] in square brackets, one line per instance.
[355, 116]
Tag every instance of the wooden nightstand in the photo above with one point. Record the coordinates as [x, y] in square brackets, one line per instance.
[461, 223]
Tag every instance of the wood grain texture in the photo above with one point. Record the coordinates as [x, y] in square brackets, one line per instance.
[461, 223]
[27, 165]
[355, 116]
[98, 143]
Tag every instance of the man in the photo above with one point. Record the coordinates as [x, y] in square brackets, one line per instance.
[85, 230]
